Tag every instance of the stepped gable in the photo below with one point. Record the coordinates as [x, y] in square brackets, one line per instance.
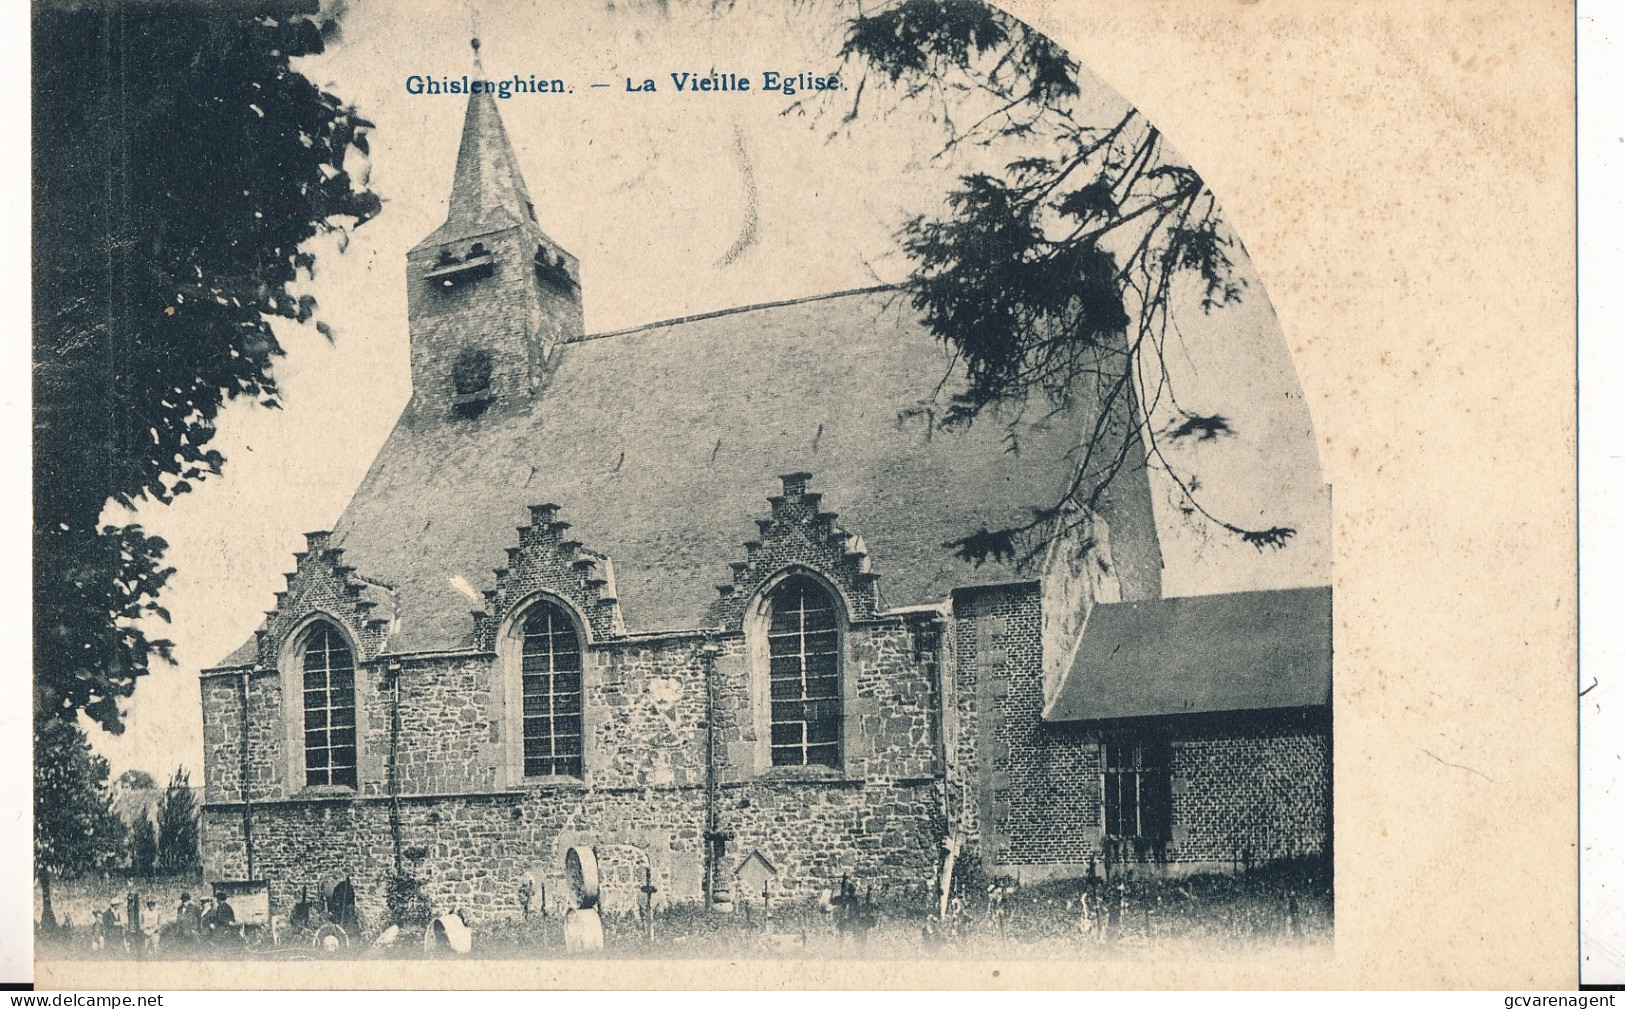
[799, 533]
[546, 561]
[321, 581]
[657, 443]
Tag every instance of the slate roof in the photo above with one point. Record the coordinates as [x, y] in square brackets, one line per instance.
[1234, 652]
[488, 191]
[662, 444]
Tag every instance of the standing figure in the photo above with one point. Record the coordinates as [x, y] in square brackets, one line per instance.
[188, 920]
[845, 909]
[527, 893]
[151, 927]
[219, 921]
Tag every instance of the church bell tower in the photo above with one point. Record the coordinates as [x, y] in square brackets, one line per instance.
[489, 296]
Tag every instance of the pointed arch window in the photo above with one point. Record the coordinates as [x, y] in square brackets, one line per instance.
[550, 663]
[328, 666]
[804, 674]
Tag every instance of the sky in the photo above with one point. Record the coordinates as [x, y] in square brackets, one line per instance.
[675, 204]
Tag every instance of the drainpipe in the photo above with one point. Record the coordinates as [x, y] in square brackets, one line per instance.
[717, 895]
[248, 795]
[393, 671]
[942, 714]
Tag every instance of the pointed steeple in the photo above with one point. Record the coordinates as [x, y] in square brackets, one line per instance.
[487, 191]
[490, 298]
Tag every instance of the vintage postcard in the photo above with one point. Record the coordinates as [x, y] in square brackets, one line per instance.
[1070, 495]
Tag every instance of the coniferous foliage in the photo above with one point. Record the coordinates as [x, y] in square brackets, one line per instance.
[178, 825]
[143, 847]
[181, 164]
[1054, 279]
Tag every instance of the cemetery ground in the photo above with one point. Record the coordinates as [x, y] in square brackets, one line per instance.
[1134, 915]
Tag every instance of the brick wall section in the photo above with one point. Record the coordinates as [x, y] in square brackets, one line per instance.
[1000, 686]
[1253, 783]
[1258, 783]
[1056, 818]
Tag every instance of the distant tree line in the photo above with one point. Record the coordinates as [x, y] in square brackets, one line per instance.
[79, 828]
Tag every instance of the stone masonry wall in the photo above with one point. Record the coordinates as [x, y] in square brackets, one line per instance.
[512, 313]
[645, 704]
[473, 827]
[223, 733]
[450, 731]
[473, 853]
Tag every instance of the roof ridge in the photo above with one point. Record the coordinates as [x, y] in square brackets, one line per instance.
[1274, 589]
[699, 316]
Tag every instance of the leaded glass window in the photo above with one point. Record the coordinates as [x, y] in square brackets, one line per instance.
[551, 676]
[804, 644]
[1138, 799]
[329, 679]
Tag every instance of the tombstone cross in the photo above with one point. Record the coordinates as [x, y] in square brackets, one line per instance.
[648, 890]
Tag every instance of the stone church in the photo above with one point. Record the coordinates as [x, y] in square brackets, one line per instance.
[681, 593]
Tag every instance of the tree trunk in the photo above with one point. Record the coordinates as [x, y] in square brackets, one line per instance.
[47, 922]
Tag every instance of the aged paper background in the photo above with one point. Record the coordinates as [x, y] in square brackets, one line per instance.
[1402, 176]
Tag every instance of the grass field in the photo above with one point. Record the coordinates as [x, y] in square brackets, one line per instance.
[1136, 916]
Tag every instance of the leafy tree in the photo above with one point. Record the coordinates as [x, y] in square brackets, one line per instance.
[136, 781]
[181, 167]
[178, 825]
[75, 828]
[1057, 276]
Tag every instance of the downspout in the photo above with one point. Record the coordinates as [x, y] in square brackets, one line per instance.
[393, 671]
[248, 794]
[942, 716]
[717, 895]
